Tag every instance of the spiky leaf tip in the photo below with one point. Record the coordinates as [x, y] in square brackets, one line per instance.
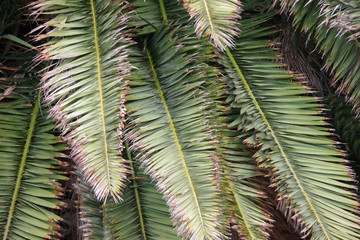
[217, 19]
[308, 171]
[87, 84]
[174, 145]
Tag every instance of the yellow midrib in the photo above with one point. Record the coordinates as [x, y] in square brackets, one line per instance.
[257, 105]
[173, 130]
[209, 17]
[98, 64]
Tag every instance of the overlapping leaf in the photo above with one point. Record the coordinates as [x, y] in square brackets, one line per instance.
[216, 18]
[242, 204]
[169, 123]
[142, 215]
[341, 54]
[308, 171]
[244, 207]
[86, 86]
[146, 17]
[346, 126]
[28, 190]
[345, 16]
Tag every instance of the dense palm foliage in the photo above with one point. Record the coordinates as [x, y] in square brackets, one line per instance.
[178, 119]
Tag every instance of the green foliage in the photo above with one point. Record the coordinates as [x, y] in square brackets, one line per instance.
[146, 18]
[242, 187]
[292, 137]
[169, 126]
[86, 88]
[28, 167]
[346, 125]
[10, 13]
[342, 15]
[216, 18]
[142, 215]
[341, 53]
[203, 120]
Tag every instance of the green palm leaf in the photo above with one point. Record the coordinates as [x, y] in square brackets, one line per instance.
[341, 54]
[28, 190]
[169, 129]
[146, 17]
[142, 215]
[346, 125]
[86, 87]
[242, 188]
[152, 214]
[93, 223]
[238, 175]
[308, 171]
[216, 18]
[345, 16]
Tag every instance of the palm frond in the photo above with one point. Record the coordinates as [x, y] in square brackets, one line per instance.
[216, 18]
[86, 86]
[345, 16]
[242, 188]
[346, 125]
[236, 172]
[177, 14]
[152, 214]
[308, 171]
[341, 54]
[146, 17]
[92, 214]
[28, 176]
[170, 131]
[142, 215]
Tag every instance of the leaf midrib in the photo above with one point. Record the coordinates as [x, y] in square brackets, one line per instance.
[99, 78]
[209, 17]
[177, 141]
[283, 154]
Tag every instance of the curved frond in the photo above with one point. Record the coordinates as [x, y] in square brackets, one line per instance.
[346, 125]
[28, 190]
[216, 18]
[87, 85]
[169, 129]
[146, 16]
[242, 188]
[242, 198]
[142, 215]
[152, 214]
[308, 171]
[345, 16]
[92, 214]
[341, 54]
